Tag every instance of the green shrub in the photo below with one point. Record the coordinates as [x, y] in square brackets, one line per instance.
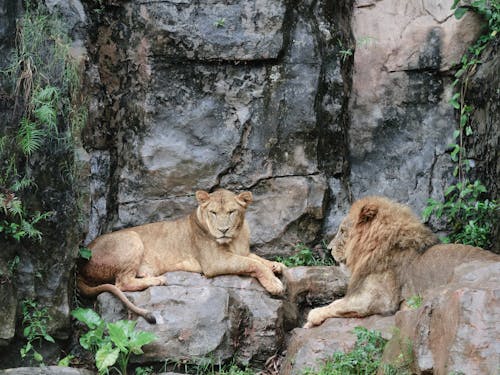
[363, 359]
[469, 215]
[304, 256]
[35, 320]
[112, 343]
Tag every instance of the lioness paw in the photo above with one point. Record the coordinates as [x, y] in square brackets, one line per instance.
[276, 287]
[162, 280]
[277, 267]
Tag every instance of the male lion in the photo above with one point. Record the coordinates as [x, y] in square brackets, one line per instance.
[213, 240]
[391, 256]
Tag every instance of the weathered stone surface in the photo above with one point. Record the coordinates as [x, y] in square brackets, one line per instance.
[223, 317]
[187, 124]
[214, 30]
[7, 308]
[308, 348]
[46, 370]
[315, 286]
[401, 120]
[456, 329]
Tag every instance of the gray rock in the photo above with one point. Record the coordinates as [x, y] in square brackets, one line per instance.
[218, 30]
[224, 317]
[7, 310]
[309, 348]
[46, 370]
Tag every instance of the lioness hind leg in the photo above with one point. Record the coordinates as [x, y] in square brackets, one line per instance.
[130, 283]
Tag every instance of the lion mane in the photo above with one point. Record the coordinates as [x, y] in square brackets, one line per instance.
[391, 256]
[212, 240]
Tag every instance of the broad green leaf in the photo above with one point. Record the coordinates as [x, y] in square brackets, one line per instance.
[459, 12]
[139, 339]
[48, 338]
[106, 357]
[85, 253]
[37, 356]
[118, 335]
[66, 361]
[87, 316]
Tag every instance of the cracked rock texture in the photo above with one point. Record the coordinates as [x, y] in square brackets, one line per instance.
[306, 104]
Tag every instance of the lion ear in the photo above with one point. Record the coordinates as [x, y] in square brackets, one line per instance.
[367, 213]
[244, 198]
[202, 197]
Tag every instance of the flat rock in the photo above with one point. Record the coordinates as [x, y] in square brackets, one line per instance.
[224, 317]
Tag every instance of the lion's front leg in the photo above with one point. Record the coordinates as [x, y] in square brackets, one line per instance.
[243, 265]
[276, 267]
[376, 295]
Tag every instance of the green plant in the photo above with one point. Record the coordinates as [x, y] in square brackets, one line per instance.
[112, 343]
[35, 320]
[363, 359]
[85, 253]
[304, 256]
[148, 370]
[44, 88]
[469, 216]
[345, 53]
[414, 302]
[220, 23]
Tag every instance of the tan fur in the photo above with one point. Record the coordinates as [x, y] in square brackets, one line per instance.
[213, 240]
[391, 256]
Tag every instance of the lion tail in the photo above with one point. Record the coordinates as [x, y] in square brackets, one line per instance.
[95, 290]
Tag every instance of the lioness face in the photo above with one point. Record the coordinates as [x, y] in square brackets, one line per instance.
[337, 245]
[223, 213]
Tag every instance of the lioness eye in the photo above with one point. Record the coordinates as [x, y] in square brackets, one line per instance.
[213, 213]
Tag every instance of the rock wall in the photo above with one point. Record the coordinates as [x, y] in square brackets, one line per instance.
[242, 95]
[308, 104]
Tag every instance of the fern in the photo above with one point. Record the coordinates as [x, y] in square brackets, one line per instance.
[29, 138]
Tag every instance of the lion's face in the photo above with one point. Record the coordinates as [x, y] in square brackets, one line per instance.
[222, 213]
[337, 244]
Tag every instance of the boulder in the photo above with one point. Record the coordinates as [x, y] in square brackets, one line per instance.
[456, 328]
[221, 318]
[46, 370]
[309, 348]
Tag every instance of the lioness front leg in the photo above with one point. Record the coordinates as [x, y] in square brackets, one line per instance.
[276, 267]
[243, 265]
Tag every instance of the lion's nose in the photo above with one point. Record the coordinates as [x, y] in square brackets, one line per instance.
[223, 230]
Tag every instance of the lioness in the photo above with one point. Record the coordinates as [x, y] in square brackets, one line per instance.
[213, 240]
[391, 256]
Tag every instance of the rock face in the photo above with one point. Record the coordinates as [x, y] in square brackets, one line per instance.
[224, 317]
[221, 318]
[456, 329]
[218, 95]
[309, 348]
[401, 119]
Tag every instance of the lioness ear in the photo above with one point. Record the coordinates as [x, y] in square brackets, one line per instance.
[244, 198]
[367, 213]
[202, 197]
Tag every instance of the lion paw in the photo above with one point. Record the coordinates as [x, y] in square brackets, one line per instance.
[275, 287]
[162, 280]
[314, 318]
[277, 267]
